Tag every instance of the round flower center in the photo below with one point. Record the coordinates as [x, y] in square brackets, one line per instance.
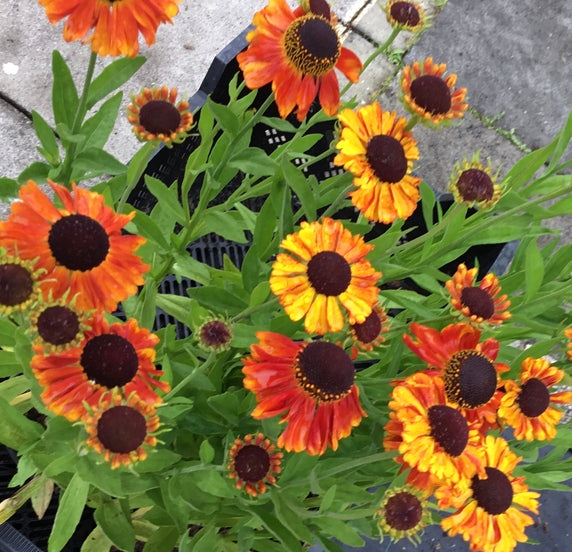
[405, 14]
[325, 371]
[312, 45]
[329, 273]
[159, 117]
[109, 360]
[385, 155]
[403, 511]
[58, 325]
[449, 428]
[475, 185]
[122, 429]
[215, 334]
[252, 463]
[470, 379]
[533, 398]
[479, 302]
[16, 284]
[370, 329]
[78, 242]
[493, 494]
[432, 94]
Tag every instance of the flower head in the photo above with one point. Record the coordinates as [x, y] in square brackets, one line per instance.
[480, 303]
[254, 464]
[568, 334]
[116, 24]
[214, 335]
[473, 183]
[325, 272]
[468, 367]
[406, 16]
[431, 96]
[403, 513]
[527, 407]
[117, 355]
[312, 382]
[121, 429]
[297, 51]
[369, 333]
[379, 152]
[81, 246]
[19, 282]
[489, 511]
[156, 116]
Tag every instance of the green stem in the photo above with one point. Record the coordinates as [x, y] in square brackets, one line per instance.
[77, 122]
[10, 506]
[206, 364]
[136, 169]
[413, 120]
[336, 203]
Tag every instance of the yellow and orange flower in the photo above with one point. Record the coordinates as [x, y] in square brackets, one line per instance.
[19, 282]
[489, 512]
[121, 429]
[568, 334]
[467, 366]
[327, 271]
[473, 183]
[81, 246]
[297, 51]
[157, 116]
[254, 464]
[405, 16]
[431, 96]
[482, 303]
[116, 24]
[117, 355]
[527, 407]
[369, 333]
[312, 383]
[435, 437]
[375, 147]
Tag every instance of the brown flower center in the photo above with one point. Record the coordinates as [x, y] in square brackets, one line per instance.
[58, 325]
[78, 242]
[432, 94]
[386, 156]
[475, 185]
[320, 7]
[329, 273]
[470, 379]
[533, 398]
[312, 45]
[215, 334]
[405, 14]
[16, 284]
[325, 371]
[449, 428]
[159, 117]
[109, 360]
[252, 463]
[479, 302]
[370, 329]
[403, 511]
[122, 429]
[493, 494]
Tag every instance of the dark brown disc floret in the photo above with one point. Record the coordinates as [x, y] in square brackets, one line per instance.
[329, 273]
[533, 398]
[449, 428]
[405, 13]
[122, 429]
[386, 156]
[16, 284]
[403, 511]
[475, 185]
[159, 117]
[478, 301]
[494, 494]
[58, 325]
[252, 463]
[432, 94]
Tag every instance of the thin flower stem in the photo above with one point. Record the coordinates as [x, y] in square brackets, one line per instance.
[183, 383]
[10, 506]
[336, 203]
[413, 120]
[77, 122]
[254, 309]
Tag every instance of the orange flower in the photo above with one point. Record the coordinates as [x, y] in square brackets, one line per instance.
[81, 246]
[376, 148]
[429, 95]
[117, 355]
[297, 52]
[369, 333]
[327, 270]
[568, 334]
[119, 429]
[19, 282]
[116, 24]
[480, 303]
[254, 464]
[312, 381]
[526, 408]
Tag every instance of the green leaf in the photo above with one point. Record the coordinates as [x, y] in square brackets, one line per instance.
[189, 267]
[112, 77]
[96, 161]
[37, 171]
[47, 138]
[215, 484]
[8, 188]
[65, 98]
[427, 203]
[217, 299]
[96, 541]
[267, 517]
[163, 538]
[42, 497]
[15, 429]
[563, 139]
[525, 168]
[225, 117]
[290, 519]
[206, 452]
[223, 224]
[254, 161]
[340, 531]
[534, 270]
[168, 197]
[299, 184]
[226, 406]
[328, 498]
[176, 305]
[98, 128]
[149, 229]
[70, 508]
[119, 530]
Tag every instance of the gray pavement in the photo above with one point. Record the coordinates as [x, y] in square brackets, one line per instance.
[515, 58]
